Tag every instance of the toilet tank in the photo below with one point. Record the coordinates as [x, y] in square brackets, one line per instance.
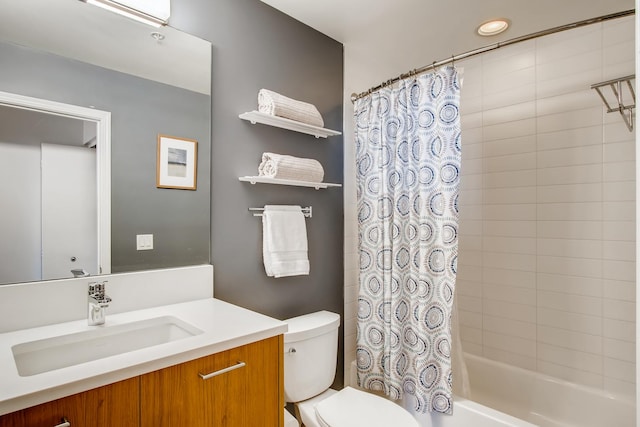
[310, 354]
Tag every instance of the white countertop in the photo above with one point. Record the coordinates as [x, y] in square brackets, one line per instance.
[224, 326]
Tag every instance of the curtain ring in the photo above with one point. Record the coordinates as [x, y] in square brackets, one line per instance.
[433, 66]
[453, 61]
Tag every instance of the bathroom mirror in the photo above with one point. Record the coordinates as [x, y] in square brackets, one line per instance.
[151, 81]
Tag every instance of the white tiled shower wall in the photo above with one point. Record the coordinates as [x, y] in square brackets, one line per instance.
[546, 276]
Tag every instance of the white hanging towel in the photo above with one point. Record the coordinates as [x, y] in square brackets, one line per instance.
[284, 241]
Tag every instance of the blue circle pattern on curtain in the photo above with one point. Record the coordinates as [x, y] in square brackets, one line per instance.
[408, 172]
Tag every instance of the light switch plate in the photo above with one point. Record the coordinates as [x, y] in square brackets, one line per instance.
[144, 242]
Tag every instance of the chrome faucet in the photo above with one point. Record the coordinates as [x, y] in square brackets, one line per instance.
[98, 303]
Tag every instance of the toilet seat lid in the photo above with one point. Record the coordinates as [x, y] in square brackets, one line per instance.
[350, 408]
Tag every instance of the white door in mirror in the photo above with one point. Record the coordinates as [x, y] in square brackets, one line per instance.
[144, 242]
[69, 206]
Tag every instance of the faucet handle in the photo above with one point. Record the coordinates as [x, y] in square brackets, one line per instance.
[103, 288]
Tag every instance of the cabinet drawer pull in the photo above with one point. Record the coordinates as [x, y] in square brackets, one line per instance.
[221, 371]
[64, 423]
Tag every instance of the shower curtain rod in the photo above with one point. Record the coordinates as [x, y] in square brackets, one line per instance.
[435, 64]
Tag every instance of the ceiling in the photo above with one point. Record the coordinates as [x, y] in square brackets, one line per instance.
[81, 31]
[396, 36]
[456, 20]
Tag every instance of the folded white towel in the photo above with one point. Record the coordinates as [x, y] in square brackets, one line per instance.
[273, 103]
[284, 241]
[283, 166]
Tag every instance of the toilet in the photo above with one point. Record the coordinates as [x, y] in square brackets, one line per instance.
[310, 354]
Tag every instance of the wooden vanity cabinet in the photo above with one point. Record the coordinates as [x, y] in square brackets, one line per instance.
[235, 388]
[114, 405]
[247, 391]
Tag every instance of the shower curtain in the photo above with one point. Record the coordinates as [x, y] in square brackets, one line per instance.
[407, 167]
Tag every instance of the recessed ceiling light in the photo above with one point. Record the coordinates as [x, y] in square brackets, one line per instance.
[493, 27]
[157, 36]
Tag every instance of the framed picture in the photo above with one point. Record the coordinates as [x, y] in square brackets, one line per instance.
[177, 163]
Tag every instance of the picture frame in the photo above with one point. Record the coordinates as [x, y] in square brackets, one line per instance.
[177, 162]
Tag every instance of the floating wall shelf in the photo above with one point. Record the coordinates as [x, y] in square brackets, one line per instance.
[267, 180]
[267, 119]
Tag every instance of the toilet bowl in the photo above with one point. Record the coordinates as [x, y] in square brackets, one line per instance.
[311, 347]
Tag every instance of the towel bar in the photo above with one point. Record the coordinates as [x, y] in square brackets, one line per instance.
[307, 211]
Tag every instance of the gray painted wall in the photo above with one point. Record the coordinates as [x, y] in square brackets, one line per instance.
[254, 47]
[140, 110]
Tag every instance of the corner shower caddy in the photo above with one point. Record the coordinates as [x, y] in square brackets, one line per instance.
[257, 117]
[623, 99]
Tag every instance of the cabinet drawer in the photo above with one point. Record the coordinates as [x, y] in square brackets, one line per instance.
[114, 405]
[237, 387]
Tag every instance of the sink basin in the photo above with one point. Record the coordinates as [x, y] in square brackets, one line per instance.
[45, 355]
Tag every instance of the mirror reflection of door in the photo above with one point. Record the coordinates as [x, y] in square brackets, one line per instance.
[48, 187]
[69, 211]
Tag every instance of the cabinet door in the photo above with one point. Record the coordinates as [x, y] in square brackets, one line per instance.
[48, 414]
[264, 397]
[241, 387]
[253, 397]
[114, 405]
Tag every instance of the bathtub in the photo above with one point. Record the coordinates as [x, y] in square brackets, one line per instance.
[504, 395]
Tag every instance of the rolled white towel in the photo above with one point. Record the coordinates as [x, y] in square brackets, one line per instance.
[283, 166]
[273, 103]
